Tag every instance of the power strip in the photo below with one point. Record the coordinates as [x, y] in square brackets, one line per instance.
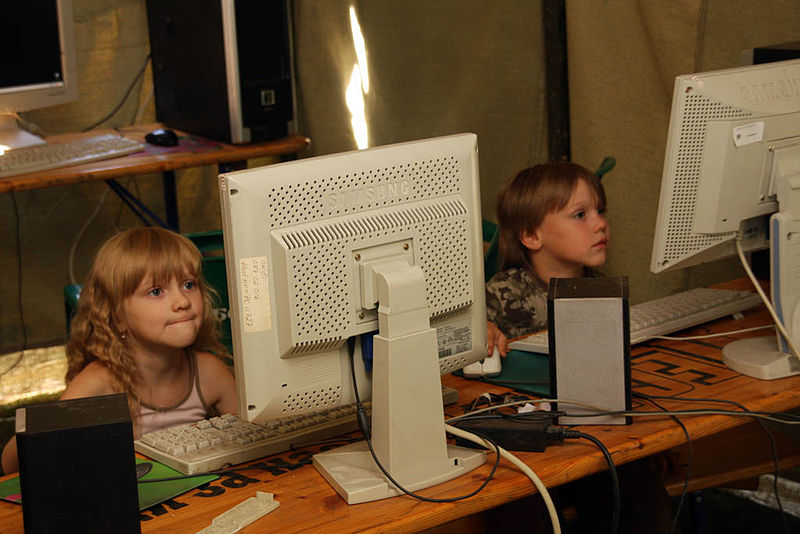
[513, 434]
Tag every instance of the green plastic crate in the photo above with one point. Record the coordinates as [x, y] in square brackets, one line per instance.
[211, 246]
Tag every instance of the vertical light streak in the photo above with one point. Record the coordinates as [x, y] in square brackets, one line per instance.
[358, 85]
[361, 49]
[355, 103]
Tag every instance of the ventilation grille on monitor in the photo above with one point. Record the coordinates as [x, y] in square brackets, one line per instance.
[321, 288]
[342, 194]
[681, 241]
[300, 401]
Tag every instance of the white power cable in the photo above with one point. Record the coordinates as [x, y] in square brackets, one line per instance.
[718, 334]
[551, 509]
[74, 247]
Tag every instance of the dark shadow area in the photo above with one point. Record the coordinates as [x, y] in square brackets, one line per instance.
[715, 511]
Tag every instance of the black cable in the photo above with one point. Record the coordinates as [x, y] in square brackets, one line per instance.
[783, 418]
[504, 381]
[533, 416]
[763, 427]
[124, 98]
[684, 491]
[755, 415]
[617, 503]
[522, 418]
[361, 414]
[21, 307]
[362, 418]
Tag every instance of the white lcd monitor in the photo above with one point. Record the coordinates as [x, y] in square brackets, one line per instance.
[386, 241]
[732, 172]
[38, 66]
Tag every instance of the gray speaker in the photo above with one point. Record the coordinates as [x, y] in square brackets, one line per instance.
[590, 347]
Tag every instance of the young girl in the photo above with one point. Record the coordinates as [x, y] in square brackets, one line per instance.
[145, 326]
[552, 224]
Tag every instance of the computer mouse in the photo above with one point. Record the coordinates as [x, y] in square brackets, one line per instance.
[162, 137]
[142, 468]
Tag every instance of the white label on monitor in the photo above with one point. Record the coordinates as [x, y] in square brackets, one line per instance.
[454, 338]
[748, 134]
[256, 312]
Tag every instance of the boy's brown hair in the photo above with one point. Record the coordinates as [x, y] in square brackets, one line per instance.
[533, 193]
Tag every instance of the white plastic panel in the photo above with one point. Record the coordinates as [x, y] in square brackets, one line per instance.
[308, 220]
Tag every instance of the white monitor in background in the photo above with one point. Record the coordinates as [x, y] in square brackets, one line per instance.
[732, 171]
[38, 65]
[320, 250]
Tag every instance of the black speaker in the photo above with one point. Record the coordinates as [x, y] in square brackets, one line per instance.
[778, 52]
[590, 347]
[77, 467]
[223, 69]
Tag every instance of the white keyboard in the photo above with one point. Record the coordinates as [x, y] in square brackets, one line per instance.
[666, 315]
[227, 440]
[53, 155]
[218, 442]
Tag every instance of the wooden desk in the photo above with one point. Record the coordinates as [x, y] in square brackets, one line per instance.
[687, 369]
[193, 151]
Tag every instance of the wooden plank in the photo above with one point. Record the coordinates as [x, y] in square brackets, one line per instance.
[153, 160]
[686, 368]
[729, 457]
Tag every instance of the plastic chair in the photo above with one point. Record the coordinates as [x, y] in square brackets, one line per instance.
[606, 165]
[210, 245]
[491, 255]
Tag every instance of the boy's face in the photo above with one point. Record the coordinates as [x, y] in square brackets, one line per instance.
[570, 239]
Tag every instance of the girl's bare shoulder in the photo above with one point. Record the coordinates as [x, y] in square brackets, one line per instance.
[209, 363]
[217, 382]
[94, 379]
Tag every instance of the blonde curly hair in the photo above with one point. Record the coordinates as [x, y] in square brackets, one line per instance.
[119, 267]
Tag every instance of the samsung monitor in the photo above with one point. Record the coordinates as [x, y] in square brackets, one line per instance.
[38, 66]
[732, 174]
[385, 240]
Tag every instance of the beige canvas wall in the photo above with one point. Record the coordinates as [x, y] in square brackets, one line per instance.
[435, 68]
[623, 59]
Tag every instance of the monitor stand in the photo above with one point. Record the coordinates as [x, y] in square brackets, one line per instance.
[769, 358]
[12, 136]
[408, 433]
[760, 358]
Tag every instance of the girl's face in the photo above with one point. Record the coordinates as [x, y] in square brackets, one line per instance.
[163, 316]
[570, 239]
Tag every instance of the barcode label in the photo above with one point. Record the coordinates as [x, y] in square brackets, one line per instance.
[454, 338]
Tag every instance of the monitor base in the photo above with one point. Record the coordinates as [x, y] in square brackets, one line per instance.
[12, 136]
[354, 475]
[759, 357]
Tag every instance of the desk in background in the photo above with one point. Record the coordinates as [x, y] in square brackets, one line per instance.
[726, 449]
[193, 151]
